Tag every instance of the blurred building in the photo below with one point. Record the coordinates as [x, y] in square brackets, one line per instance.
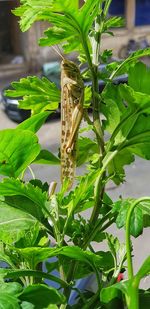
[20, 51]
[137, 23]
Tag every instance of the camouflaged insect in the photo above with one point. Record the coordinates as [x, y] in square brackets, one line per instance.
[72, 97]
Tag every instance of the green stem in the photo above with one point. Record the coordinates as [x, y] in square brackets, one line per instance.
[96, 124]
[128, 240]
[133, 300]
[31, 171]
[92, 300]
[95, 89]
[98, 228]
[106, 8]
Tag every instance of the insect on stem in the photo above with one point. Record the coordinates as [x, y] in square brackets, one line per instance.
[72, 97]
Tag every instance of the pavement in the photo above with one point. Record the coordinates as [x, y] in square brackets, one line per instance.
[137, 183]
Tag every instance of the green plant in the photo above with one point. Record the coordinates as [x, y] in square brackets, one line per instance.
[32, 215]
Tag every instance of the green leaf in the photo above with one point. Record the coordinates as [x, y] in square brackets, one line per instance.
[99, 237]
[70, 22]
[115, 167]
[145, 208]
[54, 36]
[87, 14]
[18, 273]
[108, 294]
[38, 94]
[86, 148]
[47, 157]
[106, 55]
[18, 149]
[41, 296]
[8, 301]
[4, 257]
[67, 5]
[113, 244]
[27, 305]
[30, 11]
[37, 255]
[26, 197]
[128, 287]
[83, 269]
[139, 138]
[114, 291]
[11, 288]
[122, 207]
[83, 193]
[112, 108]
[124, 66]
[113, 22]
[143, 271]
[134, 99]
[34, 123]
[8, 295]
[87, 96]
[138, 78]
[14, 223]
[136, 227]
[129, 125]
[118, 252]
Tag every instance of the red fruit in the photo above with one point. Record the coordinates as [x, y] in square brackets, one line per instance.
[120, 277]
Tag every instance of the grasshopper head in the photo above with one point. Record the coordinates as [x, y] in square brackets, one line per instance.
[70, 68]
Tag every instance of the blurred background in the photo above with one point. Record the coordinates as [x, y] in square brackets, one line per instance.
[19, 52]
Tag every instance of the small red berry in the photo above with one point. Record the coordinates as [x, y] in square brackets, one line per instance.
[120, 277]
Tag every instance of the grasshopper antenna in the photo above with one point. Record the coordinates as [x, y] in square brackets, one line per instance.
[58, 51]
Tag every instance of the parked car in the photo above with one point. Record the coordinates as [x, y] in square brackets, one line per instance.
[52, 72]
[10, 106]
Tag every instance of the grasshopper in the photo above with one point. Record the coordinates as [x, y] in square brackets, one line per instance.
[72, 98]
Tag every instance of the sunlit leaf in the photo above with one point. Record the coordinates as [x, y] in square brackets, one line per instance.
[8, 295]
[34, 123]
[30, 11]
[47, 157]
[124, 66]
[38, 94]
[18, 148]
[14, 223]
[86, 148]
[26, 197]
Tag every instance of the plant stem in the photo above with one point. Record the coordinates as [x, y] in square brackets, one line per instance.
[128, 241]
[97, 127]
[91, 301]
[98, 227]
[133, 301]
[95, 89]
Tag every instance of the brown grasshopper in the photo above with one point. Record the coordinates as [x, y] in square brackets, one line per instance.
[72, 98]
